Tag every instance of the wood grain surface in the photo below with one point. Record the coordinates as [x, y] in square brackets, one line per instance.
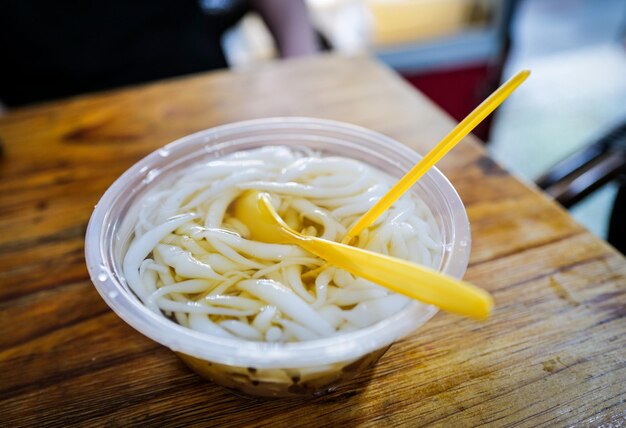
[553, 354]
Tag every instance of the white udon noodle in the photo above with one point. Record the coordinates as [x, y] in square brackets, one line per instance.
[190, 259]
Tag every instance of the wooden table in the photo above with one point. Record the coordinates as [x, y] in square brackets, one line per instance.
[553, 354]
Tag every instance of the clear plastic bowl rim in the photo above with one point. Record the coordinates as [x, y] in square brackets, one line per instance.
[234, 352]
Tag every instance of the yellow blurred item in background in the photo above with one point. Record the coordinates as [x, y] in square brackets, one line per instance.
[403, 21]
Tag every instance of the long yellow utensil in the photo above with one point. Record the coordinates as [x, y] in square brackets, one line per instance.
[255, 210]
[440, 150]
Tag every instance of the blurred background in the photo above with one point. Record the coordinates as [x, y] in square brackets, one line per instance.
[458, 51]
[572, 110]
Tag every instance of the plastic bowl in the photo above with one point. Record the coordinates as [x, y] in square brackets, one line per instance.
[256, 368]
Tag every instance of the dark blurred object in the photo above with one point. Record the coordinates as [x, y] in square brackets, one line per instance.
[617, 225]
[588, 169]
[50, 50]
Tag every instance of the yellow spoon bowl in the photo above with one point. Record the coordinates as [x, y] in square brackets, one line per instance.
[255, 210]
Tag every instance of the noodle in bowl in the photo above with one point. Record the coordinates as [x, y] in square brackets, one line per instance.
[265, 319]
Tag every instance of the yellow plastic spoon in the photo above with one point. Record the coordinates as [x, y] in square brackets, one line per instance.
[255, 210]
[440, 150]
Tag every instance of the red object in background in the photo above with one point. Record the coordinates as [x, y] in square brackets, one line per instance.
[458, 91]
